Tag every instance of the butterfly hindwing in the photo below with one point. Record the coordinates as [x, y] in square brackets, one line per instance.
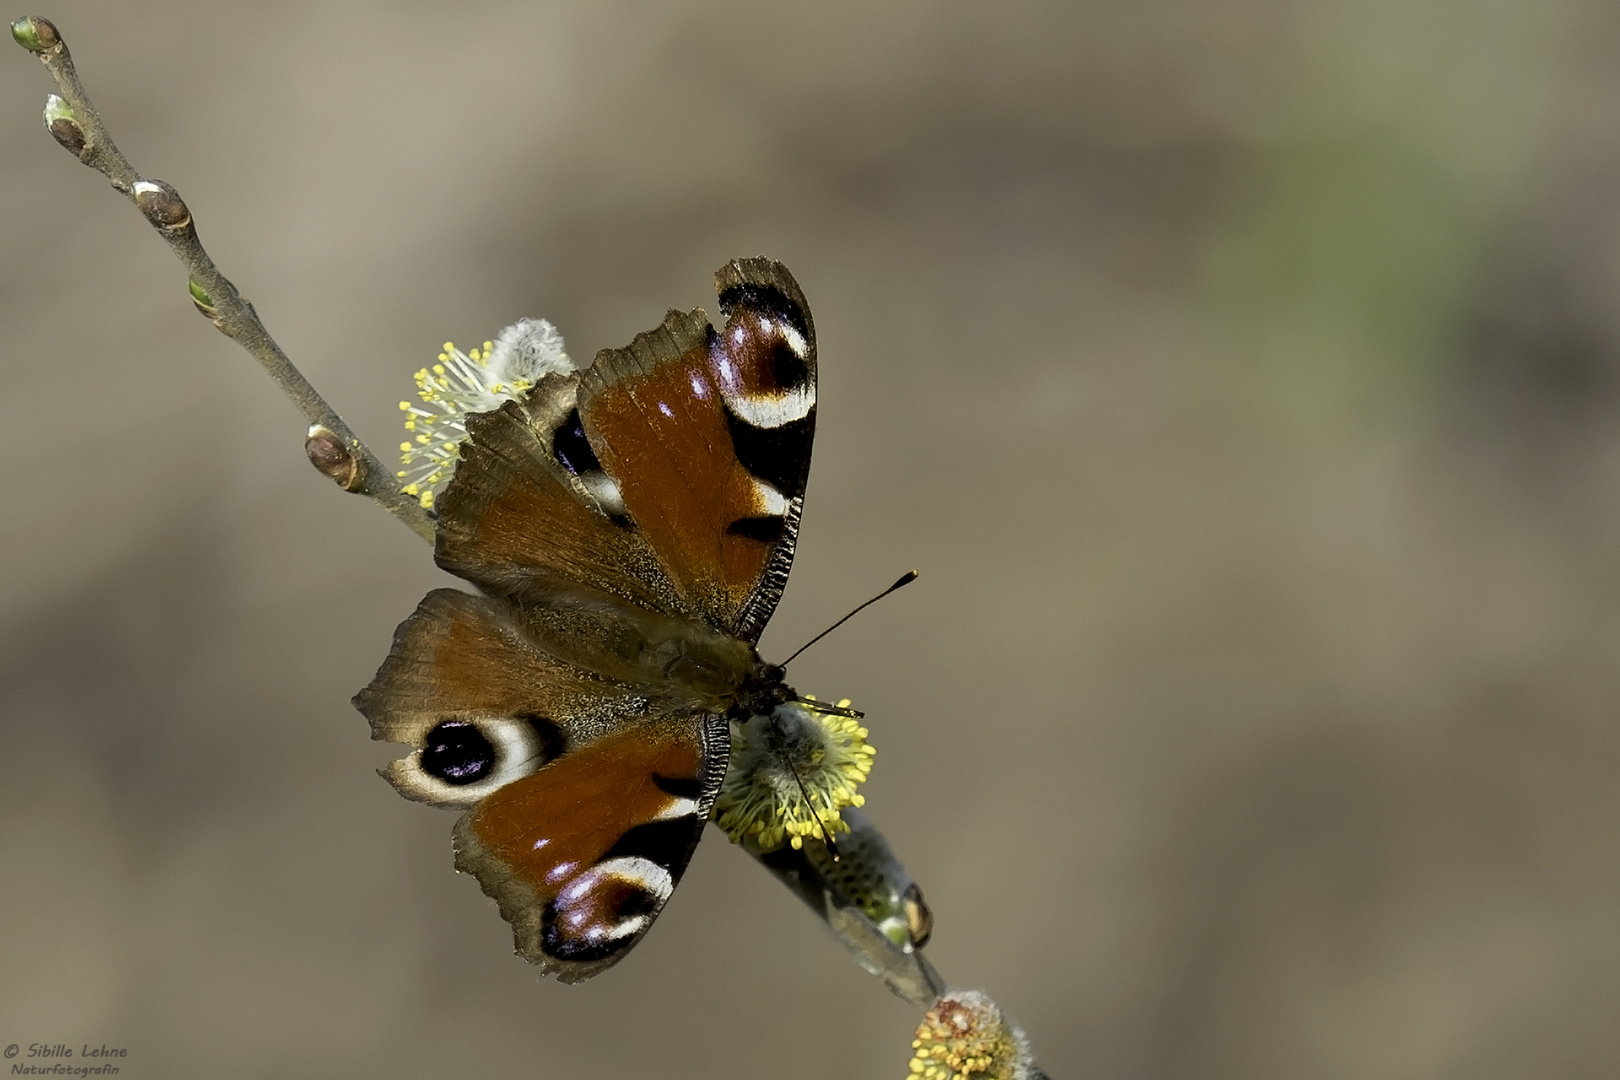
[582, 854]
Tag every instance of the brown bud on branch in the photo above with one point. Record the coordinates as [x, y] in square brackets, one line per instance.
[330, 456]
[65, 127]
[162, 205]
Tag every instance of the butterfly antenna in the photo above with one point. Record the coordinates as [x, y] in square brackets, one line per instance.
[821, 826]
[907, 579]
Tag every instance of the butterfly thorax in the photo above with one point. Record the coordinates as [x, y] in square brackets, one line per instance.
[714, 672]
[762, 691]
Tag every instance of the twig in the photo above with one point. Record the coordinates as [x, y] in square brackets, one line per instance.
[331, 446]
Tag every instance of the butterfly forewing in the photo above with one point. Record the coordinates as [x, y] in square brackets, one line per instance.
[707, 436]
[581, 855]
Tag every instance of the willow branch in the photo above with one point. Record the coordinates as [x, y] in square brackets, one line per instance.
[331, 446]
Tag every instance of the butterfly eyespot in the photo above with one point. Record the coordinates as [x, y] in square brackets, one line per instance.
[637, 902]
[603, 909]
[768, 357]
[464, 758]
[761, 363]
[457, 753]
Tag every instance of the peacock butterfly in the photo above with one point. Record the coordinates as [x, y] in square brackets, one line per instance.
[629, 528]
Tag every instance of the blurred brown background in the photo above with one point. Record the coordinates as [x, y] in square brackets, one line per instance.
[1243, 377]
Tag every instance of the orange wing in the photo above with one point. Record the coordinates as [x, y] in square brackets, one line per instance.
[520, 517]
[584, 800]
[582, 854]
[707, 437]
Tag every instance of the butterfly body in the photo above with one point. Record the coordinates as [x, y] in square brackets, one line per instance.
[629, 527]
